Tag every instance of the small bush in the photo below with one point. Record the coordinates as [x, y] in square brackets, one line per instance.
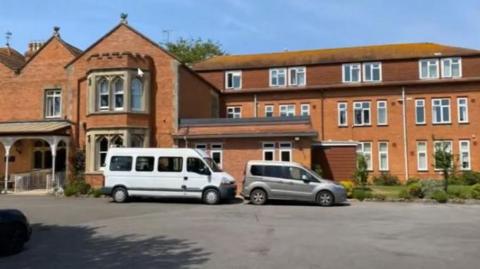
[459, 193]
[403, 194]
[379, 196]
[470, 178]
[77, 187]
[361, 193]
[430, 186]
[95, 192]
[348, 185]
[415, 190]
[412, 180]
[440, 196]
[476, 191]
[386, 179]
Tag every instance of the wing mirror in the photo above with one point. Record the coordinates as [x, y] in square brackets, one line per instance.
[305, 178]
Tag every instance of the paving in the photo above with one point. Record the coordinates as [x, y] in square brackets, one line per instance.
[96, 233]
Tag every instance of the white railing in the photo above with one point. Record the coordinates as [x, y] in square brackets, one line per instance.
[37, 180]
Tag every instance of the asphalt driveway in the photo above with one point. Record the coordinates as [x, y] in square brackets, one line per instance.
[95, 233]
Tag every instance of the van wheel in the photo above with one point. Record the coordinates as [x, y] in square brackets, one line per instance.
[258, 197]
[211, 197]
[120, 195]
[13, 237]
[325, 198]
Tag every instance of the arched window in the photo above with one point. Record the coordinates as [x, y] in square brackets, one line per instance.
[42, 155]
[103, 94]
[118, 94]
[102, 146]
[136, 100]
[117, 142]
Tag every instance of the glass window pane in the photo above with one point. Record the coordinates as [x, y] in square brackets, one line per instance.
[144, 164]
[170, 164]
[121, 163]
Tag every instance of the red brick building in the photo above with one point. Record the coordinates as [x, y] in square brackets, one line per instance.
[392, 103]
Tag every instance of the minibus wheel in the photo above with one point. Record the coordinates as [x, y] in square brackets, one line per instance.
[211, 197]
[120, 195]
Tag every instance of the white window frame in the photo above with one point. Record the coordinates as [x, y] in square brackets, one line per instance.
[217, 148]
[386, 112]
[304, 109]
[99, 95]
[451, 59]
[115, 93]
[363, 111]
[231, 111]
[429, 63]
[297, 70]
[344, 111]
[277, 71]
[201, 146]
[141, 96]
[420, 103]
[435, 143]
[233, 74]
[269, 109]
[50, 111]
[441, 106]
[461, 151]
[465, 106]
[268, 147]
[423, 152]
[383, 153]
[361, 150]
[351, 65]
[364, 71]
[290, 110]
[285, 147]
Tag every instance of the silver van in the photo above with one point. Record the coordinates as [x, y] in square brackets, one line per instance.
[265, 180]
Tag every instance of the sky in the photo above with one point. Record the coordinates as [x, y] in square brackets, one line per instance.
[249, 26]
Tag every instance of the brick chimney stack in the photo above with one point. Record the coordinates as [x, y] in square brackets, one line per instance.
[33, 47]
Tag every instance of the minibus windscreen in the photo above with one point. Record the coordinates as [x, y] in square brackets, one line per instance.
[212, 164]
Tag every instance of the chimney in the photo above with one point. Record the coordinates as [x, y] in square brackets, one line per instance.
[33, 47]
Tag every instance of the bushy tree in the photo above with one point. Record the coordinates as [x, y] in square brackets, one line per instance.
[444, 161]
[192, 51]
[361, 173]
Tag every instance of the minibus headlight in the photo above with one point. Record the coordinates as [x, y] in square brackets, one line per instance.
[226, 180]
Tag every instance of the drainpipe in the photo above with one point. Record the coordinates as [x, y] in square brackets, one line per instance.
[404, 119]
[255, 105]
[7, 157]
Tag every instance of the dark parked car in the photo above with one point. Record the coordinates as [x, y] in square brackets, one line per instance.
[14, 231]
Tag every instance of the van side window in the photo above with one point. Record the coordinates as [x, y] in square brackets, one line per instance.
[121, 163]
[196, 165]
[144, 164]
[170, 164]
[274, 171]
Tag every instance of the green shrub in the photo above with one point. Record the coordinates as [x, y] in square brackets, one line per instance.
[429, 186]
[403, 194]
[361, 193]
[415, 190]
[348, 185]
[461, 193]
[386, 179]
[77, 187]
[412, 180]
[95, 192]
[440, 196]
[470, 178]
[379, 196]
[476, 191]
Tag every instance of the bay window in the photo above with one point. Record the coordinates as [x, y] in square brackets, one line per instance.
[103, 94]
[118, 94]
[136, 95]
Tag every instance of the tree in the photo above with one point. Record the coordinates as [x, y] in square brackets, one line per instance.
[361, 174]
[192, 51]
[444, 161]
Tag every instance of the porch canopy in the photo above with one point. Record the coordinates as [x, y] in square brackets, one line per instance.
[51, 131]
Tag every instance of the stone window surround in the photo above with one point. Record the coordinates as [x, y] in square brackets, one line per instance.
[127, 75]
[92, 136]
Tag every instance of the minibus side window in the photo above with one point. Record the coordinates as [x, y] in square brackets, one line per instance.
[196, 165]
[144, 164]
[121, 163]
[170, 164]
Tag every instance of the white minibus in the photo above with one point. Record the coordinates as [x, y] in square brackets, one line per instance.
[165, 172]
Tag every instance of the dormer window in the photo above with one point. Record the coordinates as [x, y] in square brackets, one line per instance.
[351, 73]
[451, 67]
[233, 80]
[372, 72]
[296, 76]
[278, 77]
[429, 69]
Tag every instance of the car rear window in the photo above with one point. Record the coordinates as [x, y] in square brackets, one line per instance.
[121, 163]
